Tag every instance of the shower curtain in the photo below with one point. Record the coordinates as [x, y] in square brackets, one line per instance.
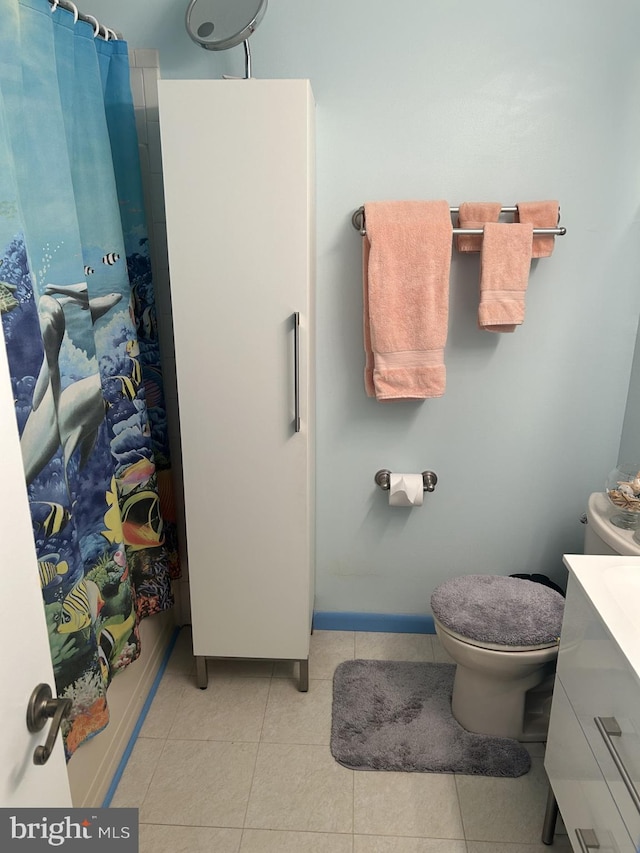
[78, 317]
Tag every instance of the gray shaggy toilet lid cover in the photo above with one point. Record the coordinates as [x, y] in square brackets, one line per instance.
[500, 610]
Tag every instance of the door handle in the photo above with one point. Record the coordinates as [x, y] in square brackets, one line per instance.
[609, 728]
[296, 370]
[42, 707]
[587, 840]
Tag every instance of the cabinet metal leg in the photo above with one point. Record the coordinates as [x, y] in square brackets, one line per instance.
[550, 818]
[202, 679]
[303, 683]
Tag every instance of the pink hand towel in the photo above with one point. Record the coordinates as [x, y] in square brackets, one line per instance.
[504, 275]
[541, 214]
[406, 262]
[474, 214]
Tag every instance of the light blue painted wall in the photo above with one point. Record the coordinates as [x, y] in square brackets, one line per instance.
[465, 101]
[630, 444]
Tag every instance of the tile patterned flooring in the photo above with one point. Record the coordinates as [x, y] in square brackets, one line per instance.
[245, 767]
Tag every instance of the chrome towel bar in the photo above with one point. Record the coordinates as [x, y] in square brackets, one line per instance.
[357, 220]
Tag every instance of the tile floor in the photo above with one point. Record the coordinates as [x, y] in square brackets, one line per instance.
[245, 767]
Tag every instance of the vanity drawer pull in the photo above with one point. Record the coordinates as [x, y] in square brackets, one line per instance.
[609, 728]
[587, 839]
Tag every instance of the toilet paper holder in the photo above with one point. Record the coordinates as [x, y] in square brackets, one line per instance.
[383, 479]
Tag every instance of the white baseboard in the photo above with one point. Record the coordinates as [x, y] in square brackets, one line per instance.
[93, 765]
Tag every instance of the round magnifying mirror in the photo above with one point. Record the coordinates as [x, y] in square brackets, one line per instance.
[221, 24]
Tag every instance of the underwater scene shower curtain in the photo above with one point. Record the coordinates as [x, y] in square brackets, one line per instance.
[78, 317]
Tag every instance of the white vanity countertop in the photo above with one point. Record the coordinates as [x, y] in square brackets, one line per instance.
[613, 586]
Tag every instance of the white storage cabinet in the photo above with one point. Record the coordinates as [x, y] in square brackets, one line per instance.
[238, 162]
[593, 748]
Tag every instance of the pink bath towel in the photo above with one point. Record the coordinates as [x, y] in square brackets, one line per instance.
[504, 275]
[541, 214]
[474, 214]
[406, 262]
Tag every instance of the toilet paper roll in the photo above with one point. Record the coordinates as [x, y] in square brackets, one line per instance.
[406, 490]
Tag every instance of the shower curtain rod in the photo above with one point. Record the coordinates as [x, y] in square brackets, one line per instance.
[99, 30]
[357, 220]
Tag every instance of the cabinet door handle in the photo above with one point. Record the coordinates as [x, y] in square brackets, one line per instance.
[609, 728]
[587, 839]
[296, 370]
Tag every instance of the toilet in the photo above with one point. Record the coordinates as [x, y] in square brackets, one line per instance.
[503, 635]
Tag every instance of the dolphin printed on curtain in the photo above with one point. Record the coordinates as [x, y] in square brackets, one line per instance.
[76, 301]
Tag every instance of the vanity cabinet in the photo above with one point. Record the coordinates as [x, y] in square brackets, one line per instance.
[593, 747]
[238, 164]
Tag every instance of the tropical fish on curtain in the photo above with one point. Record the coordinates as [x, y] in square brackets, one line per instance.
[78, 316]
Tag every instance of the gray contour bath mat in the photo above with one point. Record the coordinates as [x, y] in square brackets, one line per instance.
[396, 715]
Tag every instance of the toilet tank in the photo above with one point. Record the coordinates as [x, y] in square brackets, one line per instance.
[602, 537]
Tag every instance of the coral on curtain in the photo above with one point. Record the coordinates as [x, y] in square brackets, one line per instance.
[78, 317]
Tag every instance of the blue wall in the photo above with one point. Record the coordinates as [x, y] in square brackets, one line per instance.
[629, 455]
[465, 101]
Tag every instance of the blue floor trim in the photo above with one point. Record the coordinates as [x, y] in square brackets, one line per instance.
[391, 623]
[141, 718]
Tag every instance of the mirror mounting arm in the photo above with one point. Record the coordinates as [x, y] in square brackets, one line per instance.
[247, 59]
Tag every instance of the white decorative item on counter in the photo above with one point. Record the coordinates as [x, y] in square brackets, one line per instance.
[623, 490]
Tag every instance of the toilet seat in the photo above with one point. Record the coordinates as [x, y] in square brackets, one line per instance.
[497, 612]
[496, 647]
